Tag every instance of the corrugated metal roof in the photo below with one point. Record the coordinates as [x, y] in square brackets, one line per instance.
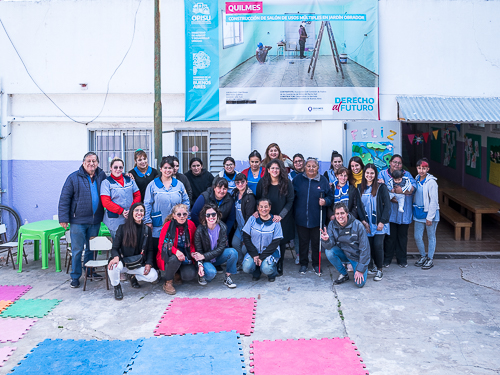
[449, 109]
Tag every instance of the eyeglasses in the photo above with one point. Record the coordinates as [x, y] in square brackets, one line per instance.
[211, 214]
[242, 182]
[181, 214]
[116, 167]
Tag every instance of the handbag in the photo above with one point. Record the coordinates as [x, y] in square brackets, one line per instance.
[418, 212]
[133, 262]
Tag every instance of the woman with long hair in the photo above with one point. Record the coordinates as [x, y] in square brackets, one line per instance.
[276, 187]
[210, 242]
[377, 207]
[336, 162]
[132, 247]
[176, 247]
[255, 172]
[118, 193]
[273, 151]
[355, 168]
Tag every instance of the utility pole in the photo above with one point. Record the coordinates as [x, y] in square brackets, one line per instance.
[157, 108]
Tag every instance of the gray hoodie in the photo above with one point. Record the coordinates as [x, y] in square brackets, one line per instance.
[351, 239]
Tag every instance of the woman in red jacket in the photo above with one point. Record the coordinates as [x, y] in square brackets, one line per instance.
[176, 246]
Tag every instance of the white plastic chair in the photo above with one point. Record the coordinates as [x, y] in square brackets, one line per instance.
[98, 244]
[8, 246]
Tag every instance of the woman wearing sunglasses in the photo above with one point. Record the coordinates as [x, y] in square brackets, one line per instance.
[210, 242]
[176, 248]
[377, 207]
[118, 193]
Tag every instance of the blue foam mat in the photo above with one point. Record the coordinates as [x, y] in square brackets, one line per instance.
[203, 354]
[79, 357]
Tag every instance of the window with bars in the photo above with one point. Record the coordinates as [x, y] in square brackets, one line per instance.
[108, 144]
[211, 146]
[232, 32]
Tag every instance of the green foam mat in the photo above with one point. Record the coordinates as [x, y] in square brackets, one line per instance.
[30, 308]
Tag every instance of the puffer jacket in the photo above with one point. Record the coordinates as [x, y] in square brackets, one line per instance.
[248, 203]
[351, 239]
[75, 202]
[203, 245]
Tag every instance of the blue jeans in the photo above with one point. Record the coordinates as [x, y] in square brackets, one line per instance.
[238, 245]
[249, 266]
[337, 257]
[229, 256]
[80, 237]
[431, 236]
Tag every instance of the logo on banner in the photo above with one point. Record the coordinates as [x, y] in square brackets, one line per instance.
[244, 7]
[315, 109]
[354, 104]
[201, 14]
[200, 61]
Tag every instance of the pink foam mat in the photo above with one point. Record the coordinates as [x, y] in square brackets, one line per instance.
[296, 357]
[5, 352]
[13, 292]
[204, 315]
[13, 329]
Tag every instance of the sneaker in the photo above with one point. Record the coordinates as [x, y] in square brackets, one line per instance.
[373, 271]
[387, 265]
[403, 265]
[219, 269]
[402, 210]
[428, 264]
[228, 282]
[421, 261]
[341, 279]
[303, 270]
[297, 260]
[316, 270]
[378, 276]
[75, 283]
[202, 281]
[271, 279]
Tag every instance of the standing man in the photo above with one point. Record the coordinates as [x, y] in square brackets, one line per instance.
[80, 205]
[345, 240]
[302, 41]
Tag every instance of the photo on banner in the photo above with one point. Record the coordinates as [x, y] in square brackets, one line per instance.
[275, 60]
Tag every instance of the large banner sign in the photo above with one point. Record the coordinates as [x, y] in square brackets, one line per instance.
[279, 60]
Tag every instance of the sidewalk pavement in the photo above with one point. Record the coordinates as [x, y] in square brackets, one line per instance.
[442, 321]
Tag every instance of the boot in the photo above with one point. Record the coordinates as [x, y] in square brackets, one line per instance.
[133, 281]
[177, 279]
[118, 292]
[168, 287]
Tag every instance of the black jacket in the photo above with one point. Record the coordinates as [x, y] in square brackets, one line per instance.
[248, 202]
[120, 250]
[354, 205]
[226, 207]
[383, 205]
[203, 245]
[185, 181]
[199, 183]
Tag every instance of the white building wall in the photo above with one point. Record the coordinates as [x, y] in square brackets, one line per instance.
[427, 47]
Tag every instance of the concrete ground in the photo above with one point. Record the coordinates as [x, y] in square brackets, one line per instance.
[442, 321]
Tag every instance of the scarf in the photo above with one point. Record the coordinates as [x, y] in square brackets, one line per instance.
[356, 178]
[171, 237]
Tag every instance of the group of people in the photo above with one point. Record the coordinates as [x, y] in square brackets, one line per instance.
[189, 225]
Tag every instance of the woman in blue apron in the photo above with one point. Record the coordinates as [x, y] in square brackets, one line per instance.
[142, 172]
[118, 193]
[163, 193]
[377, 207]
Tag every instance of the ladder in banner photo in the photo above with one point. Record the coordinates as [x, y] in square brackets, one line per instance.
[333, 46]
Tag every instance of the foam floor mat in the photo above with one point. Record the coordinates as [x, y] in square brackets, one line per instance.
[5, 352]
[13, 329]
[56, 357]
[13, 292]
[200, 354]
[298, 357]
[203, 315]
[30, 308]
[4, 305]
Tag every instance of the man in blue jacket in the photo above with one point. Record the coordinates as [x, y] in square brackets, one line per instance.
[80, 205]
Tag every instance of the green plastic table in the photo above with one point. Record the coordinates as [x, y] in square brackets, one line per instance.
[41, 231]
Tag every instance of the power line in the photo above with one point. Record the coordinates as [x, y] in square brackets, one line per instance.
[109, 81]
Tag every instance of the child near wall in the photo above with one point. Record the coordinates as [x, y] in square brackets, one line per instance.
[398, 179]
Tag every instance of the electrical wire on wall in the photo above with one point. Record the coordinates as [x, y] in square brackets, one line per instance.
[358, 48]
[109, 81]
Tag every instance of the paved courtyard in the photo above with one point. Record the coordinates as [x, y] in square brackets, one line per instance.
[442, 321]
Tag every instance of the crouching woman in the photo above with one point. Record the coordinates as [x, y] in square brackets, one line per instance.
[132, 252]
[210, 242]
[345, 240]
[262, 238]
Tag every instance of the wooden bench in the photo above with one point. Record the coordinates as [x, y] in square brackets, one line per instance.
[457, 220]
